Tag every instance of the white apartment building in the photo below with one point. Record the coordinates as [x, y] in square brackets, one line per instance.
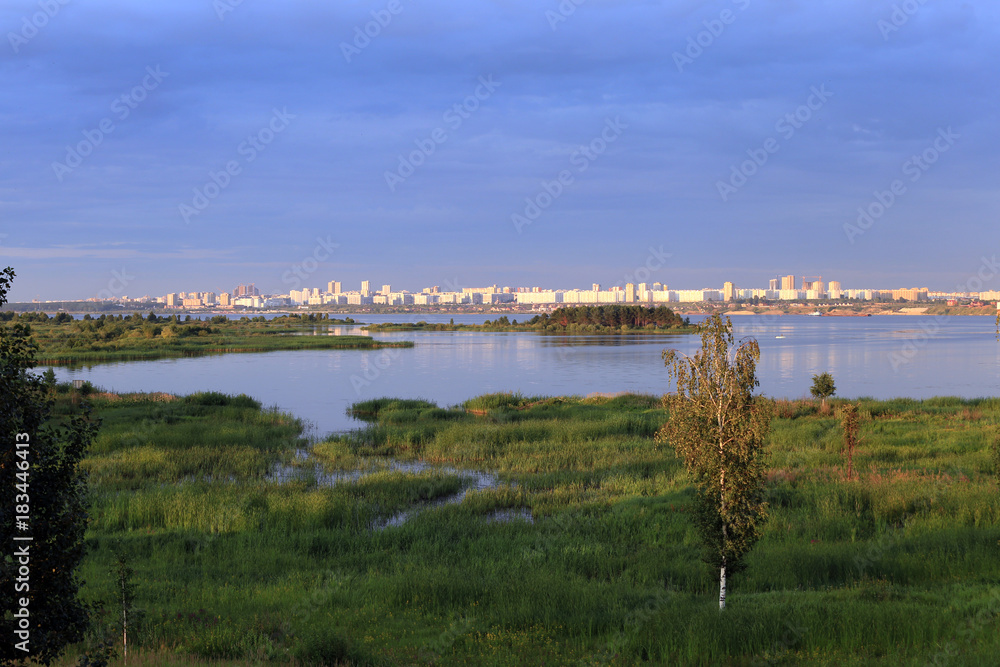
[534, 298]
[791, 294]
[357, 299]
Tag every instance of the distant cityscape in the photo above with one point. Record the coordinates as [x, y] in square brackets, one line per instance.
[780, 288]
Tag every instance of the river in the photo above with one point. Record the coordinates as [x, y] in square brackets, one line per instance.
[879, 356]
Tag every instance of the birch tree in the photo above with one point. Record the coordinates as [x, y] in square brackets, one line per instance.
[718, 426]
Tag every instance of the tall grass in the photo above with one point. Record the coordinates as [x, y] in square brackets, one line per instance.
[898, 566]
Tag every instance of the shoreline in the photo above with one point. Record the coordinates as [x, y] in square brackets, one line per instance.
[979, 312]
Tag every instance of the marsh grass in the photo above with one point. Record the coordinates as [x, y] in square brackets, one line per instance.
[135, 338]
[898, 566]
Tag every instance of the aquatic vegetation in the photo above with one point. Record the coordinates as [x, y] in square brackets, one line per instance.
[582, 553]
[63, 340]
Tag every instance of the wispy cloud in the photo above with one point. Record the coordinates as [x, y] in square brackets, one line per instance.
[84, 252]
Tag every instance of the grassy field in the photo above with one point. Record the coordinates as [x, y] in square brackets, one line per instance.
[108, 338]
[600, 566]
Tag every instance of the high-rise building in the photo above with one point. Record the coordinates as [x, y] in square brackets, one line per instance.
[596, 287]
[774, 285]
[333, 287]
[788, 282]
[386, 289]
[728, 291]
[812, 283]
[657, 287]
[246, 290]
[629, 292]
[366, 288]
[225, 299]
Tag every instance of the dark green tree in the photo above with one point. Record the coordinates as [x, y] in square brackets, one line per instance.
[718, 426]
[823, 387]
[50, 491]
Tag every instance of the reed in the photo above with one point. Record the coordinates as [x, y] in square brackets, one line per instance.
[597, 562]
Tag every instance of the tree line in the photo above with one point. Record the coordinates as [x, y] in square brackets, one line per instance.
[612, 316]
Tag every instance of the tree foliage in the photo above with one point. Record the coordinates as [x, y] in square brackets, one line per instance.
[612, 316]
[823, 387]
[55, 488]
[718, 427]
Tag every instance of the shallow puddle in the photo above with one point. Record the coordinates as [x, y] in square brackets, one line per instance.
[473, 480]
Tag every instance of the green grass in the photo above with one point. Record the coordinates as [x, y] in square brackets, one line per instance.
[109, 338]
[900, 566]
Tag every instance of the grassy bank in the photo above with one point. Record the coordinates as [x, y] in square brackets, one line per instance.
[63, 340]
[897, 567]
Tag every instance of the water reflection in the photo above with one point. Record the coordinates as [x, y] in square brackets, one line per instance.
[472, 480]
[868, 356]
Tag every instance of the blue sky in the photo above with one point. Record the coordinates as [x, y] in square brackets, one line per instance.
[193, 145]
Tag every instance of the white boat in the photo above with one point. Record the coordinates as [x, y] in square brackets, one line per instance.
[815, 313]
[779, 336]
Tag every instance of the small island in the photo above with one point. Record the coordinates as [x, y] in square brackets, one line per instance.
[571, 320]
[61, 339]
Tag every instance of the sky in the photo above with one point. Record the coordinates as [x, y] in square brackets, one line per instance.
[193, 145]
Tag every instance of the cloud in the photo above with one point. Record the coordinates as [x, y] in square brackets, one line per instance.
[82, 252]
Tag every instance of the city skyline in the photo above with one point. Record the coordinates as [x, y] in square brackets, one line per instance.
[780, 288]
[509, 142]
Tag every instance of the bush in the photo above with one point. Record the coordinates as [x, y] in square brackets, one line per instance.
[319, 645]
[215, 398]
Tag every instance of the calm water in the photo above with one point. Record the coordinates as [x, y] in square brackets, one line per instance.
[882, 356]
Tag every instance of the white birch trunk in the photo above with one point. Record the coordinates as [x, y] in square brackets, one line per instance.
[722, 588]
